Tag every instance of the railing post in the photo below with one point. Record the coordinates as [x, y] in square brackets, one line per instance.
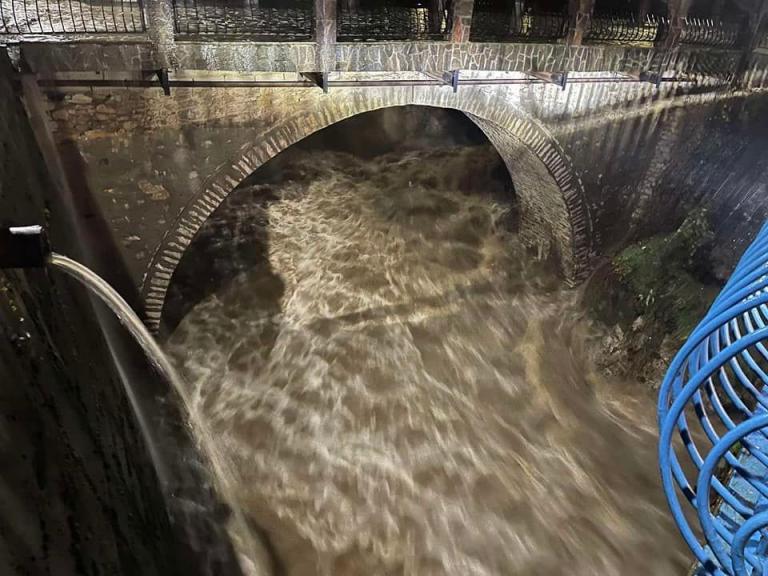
[325, 36]
[461, 20]
[677, 12]
[579, 20]
[436, 15]
[159, 19]
[516, 23]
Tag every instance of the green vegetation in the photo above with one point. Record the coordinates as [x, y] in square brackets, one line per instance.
[653, 293]
[668, 277]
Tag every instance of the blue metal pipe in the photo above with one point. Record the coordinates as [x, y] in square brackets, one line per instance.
[719, 381]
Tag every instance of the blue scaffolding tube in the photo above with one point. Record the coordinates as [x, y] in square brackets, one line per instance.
[713, 419]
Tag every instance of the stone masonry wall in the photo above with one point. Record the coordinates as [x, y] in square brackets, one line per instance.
[644, 173]
[46, 59]
[159, 165]
[543, 212]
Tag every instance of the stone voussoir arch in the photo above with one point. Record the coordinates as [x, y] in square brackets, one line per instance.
[553, 192]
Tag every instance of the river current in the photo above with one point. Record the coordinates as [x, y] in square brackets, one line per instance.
[399, 388]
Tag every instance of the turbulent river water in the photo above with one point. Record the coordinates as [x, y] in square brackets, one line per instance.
[399, 389]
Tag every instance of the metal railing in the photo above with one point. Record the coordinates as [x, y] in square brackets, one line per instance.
[292, 21]
[391, 20]
[706, 32]
[489, 25]
[71, 16]
[713, 414]
[623, 29]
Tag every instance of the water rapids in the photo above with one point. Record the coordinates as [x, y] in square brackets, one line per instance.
[399, 389]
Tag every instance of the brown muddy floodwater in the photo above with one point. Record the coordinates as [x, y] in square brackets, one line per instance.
[398, 389]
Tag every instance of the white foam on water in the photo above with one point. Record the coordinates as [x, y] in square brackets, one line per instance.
[415, 400]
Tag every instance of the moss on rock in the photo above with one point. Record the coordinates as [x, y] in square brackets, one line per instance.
[653, 293]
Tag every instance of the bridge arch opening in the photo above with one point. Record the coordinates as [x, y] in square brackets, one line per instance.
[554, 217]
[380, 339]
[412, 164]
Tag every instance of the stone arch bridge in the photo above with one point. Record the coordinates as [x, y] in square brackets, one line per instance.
[592, 165]
[553, 203]
[609, 135]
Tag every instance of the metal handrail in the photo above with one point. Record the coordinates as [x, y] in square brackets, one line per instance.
[708, 32]
[489, 25]
[713, 416]
[391, 20]
[71, 16]
[623, 29]
[492, 24]
[294, 20]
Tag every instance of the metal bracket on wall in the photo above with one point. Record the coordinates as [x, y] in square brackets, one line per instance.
[454, 80]
[557, 78]
[320, 79]
[645, 76]
[161, 74]
[165, 84]
[450, 78]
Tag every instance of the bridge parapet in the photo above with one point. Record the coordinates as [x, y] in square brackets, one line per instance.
[713, 413]
[294, 20]
[140, 36]
[48, 60]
